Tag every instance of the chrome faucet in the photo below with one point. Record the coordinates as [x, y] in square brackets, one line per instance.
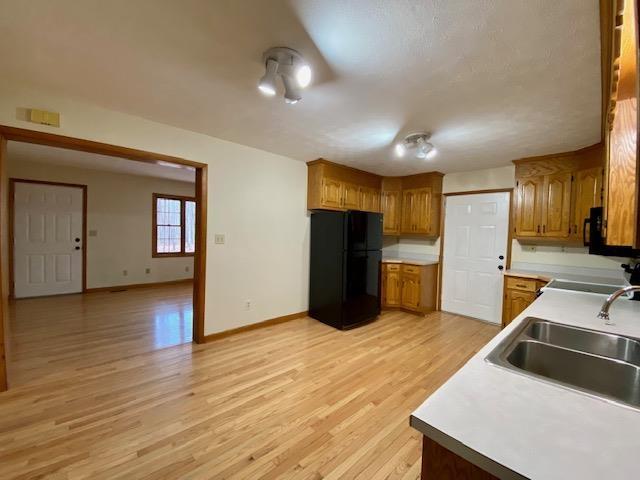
[604, 311]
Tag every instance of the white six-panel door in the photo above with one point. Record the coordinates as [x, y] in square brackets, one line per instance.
[47, 239]
[475, 238]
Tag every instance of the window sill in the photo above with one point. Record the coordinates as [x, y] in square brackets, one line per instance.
[161, 255]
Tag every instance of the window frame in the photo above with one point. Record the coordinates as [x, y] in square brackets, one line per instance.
[183, 225]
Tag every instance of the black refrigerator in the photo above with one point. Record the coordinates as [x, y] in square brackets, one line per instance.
[346, 253]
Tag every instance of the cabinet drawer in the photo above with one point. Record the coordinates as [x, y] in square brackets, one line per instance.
[393, 267]
[411, 269]
[525, 284]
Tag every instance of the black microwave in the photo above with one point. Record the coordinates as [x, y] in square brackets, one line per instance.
[593, 238]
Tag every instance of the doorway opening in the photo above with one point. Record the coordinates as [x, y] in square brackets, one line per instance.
[476, 249]
[103, 252]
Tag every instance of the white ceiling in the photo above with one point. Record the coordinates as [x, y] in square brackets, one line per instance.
[17, 151]
[493, 80]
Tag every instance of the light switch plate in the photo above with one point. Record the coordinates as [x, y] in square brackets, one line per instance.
[219, 238]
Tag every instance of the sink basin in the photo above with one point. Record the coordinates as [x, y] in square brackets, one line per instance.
[584, 287]
[601, 364]
[614, 379]
[590, 341]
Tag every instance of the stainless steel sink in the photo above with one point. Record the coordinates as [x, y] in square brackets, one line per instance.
[590, 341]
[584, 287]
[593, 362]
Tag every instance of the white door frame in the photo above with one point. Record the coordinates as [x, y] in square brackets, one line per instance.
[507, 264]
[12, 192]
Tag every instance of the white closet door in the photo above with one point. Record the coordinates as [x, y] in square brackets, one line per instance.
[47, 239]
[475, 237]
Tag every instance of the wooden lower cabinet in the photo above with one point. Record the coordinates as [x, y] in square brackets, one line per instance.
[410, 287]
[438, 463]
[519, 293]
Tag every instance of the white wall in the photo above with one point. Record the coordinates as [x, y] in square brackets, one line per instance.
[257, 199]
[496, 178]
[119, 209]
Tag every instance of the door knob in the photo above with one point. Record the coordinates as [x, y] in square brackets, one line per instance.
[77, 248]
[500, 267]
[77, 239]
[501, 257]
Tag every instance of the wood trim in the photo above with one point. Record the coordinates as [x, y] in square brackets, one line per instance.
[119, 288]
[10, 226]
[89, 146]
[200, 258]
[555, 156]
[254, 326]
[322, 161]
[154, 225]
[510, 223]
[4, 266]
[60, 141]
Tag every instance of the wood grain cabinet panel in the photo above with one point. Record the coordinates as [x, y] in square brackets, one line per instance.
[369, 200]
[588, 194]
[350, 196]
[528, 214]
[408, 211]
[519, 293]
[556, 205]
[411, 291]
[392, 288]
[422, 206]
[391, 213]
[331, 193]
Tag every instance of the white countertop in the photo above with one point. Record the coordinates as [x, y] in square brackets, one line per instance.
[536, 429]
[409, 260]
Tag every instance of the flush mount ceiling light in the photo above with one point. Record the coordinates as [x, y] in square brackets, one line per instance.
[291, 66]
[416, 144]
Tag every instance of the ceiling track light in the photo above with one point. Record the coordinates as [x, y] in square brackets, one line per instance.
[291, 67]
[417, 144]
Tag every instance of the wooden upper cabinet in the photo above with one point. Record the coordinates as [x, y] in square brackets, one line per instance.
[556, 205]
[410, 204]
[408, 212]
[369, 200]
[529, 207]
[391, 213]
[588, 194]
[555, 193]
[335, 187]
[331, 193]
[350, 196]
[422, 206]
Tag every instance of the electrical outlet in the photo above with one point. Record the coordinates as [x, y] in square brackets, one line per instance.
[93, 233]
[247, 305]
[219, 238]
[125, 273]
[529, 248]
[147, 270]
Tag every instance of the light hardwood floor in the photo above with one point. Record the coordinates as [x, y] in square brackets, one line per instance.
[298, 400]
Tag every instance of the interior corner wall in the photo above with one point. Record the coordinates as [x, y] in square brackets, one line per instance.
[122, 222]
[256, 198]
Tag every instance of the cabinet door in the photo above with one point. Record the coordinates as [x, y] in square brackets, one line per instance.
[515, 301]
[391, 213]
[529, 207]
[392, 289]
[588, 188]
[369, 199]
[331, 193]
[408, 211]
[556, 206]
[350, 196]
[411, 291]
[422, 210]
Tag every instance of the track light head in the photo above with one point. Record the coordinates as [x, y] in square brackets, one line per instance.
[291, 67]
[267, 83]
[418, 144]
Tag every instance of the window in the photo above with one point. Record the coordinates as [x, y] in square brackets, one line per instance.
[174, 225]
